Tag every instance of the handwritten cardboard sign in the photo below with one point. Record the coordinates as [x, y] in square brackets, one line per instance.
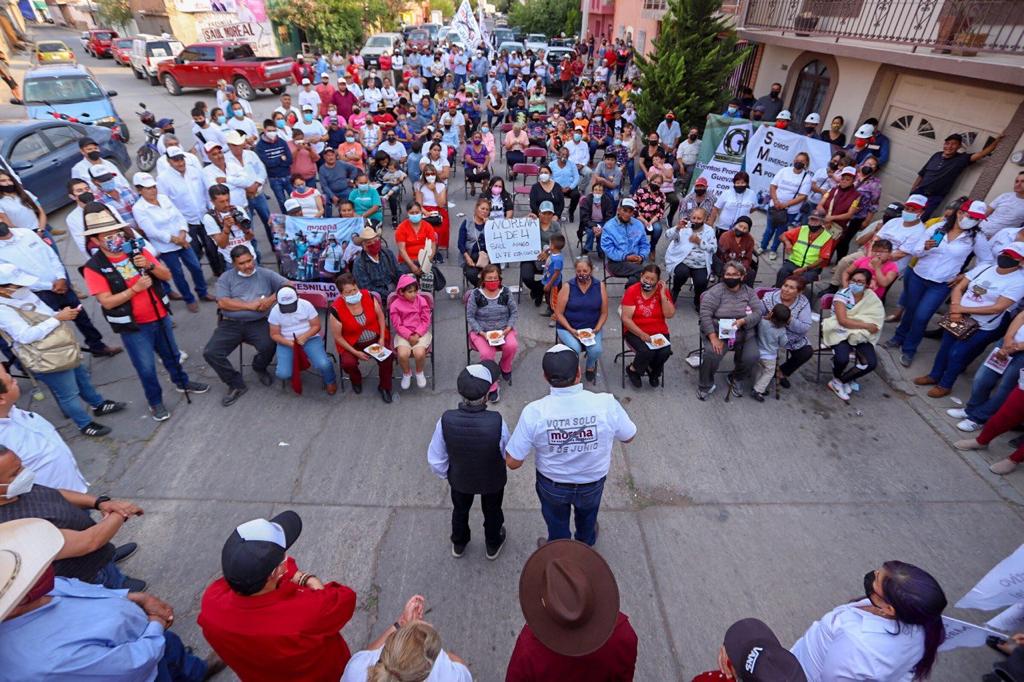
[512, 240]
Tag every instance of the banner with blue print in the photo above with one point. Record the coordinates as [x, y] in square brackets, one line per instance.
[312, 249]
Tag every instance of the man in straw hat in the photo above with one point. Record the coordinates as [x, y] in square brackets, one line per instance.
[574, 630]
[59, 629]
[752, 653]
[129, 283]
[374, 265]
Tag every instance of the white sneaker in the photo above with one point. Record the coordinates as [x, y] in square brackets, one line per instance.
[968, 425]
[957, 413]
[772, 255]
[849, 389]
[421, 379]
[406, 381]
[182, 356]
[839, 389]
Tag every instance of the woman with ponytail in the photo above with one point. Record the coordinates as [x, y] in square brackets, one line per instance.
[890, 635]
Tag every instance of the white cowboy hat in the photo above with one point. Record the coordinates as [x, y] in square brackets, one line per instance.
[27, 548]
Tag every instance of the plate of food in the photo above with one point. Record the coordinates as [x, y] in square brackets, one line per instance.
[495, 337]
[586, 336]
[658, 341]
[377, 351]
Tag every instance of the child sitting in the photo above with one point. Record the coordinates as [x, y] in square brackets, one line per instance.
[884, 270]
[410, 318]
[552, 277]
[771, 337]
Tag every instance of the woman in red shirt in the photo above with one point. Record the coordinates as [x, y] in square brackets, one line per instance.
[357, 322]
[411, 237]
[646, 308]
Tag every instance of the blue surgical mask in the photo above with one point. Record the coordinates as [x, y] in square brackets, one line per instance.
[414, 218]
[856, 288]
[308, 118]
[353, 299]
[222, 119]
[349, 139]
[108, 185]
[279, 123]
[909, 217]
[239, 113]
[363, 186]
[577, 137]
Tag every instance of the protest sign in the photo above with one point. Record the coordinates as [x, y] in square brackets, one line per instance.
[770, 149]
[1002, 586]
[1011, 620]
[960, 634]
[328, 289]
[512, 240]
[301, 247]
[722, 151]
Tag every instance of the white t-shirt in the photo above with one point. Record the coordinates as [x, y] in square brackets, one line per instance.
[20, 214]
[314, 127]
[444, 669]
[236, 237]
[310, 97]
[572, 432]
[731, 206]
[1008, 211]
[985, 289]
[1000, 241]
[293, 324]
[788, 183]
[901, 236]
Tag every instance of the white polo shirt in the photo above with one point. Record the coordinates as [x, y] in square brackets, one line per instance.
[943, 262]
[572, 432]
[187, 191]
[41, 450]
[33, 256]
[731, 206]
[160, 222]
[1007, 212]
[849, 643]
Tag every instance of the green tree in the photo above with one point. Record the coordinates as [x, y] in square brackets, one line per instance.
[694, 55]
[337, 24]
[116, 13]
[549, 17]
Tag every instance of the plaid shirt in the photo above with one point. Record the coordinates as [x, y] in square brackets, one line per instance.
[598, 129]
[122, 203]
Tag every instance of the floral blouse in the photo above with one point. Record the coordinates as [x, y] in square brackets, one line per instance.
[650, 204]
[870, 191]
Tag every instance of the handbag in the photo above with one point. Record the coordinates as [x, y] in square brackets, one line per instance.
[961, 329]
[779, 216]
[56, 352]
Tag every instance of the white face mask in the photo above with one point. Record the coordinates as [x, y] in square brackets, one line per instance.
[544, 177]
[969, 223]
[246, 274]
[21, 484]
[353, 299]
[271, 135]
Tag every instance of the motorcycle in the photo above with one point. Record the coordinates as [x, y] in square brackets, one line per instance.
[148, 152]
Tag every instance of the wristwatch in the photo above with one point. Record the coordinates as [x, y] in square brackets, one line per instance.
[100, 500]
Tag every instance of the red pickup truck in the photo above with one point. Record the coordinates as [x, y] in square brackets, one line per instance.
[203, 64]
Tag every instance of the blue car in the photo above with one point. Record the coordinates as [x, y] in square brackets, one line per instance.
[70, 89]
[43, 153]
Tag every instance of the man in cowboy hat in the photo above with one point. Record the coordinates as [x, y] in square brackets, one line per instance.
[129, 283]
[59, 629]
[752, 653]
[574, 630]
[374, 266]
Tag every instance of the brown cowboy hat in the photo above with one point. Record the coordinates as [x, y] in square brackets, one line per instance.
[569, 597]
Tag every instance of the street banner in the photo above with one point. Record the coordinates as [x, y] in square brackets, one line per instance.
[512, 240]
[771, 148]
[1011, 620]
[961, 634]
[465, 24]
[722, 151]
[328, 289]
[1002, 586]
[300, 243]
[243, 21]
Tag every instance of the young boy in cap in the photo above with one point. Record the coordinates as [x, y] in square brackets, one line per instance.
[752, 653]
[466, 449]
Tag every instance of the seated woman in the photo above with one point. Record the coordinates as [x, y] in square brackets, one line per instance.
[800, 321]
[582, 304]
[411, 238]
[491, 314]
[596, 208]
[729, 314]
[311, 202]
[431, 193]
[985, 293]
[478, 162]
[293, 321]
[356, 322]
[853, 332]
[410, 318]
[471, 241]
[646, 307]
[546, 189]
[501, 200]
[990, 388]
[529, 270]
[691, 247]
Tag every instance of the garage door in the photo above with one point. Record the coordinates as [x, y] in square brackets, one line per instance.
[919, 115]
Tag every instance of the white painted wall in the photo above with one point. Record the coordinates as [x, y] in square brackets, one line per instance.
[851, 89]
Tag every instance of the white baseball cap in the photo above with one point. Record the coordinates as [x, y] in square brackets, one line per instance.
[143, 180]
[305, 81]
[211, 145]
[977, 209]
[916, 201]
[174, 152]
[849, 170]
[291, 204]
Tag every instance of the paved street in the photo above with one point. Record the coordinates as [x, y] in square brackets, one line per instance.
[714, 513]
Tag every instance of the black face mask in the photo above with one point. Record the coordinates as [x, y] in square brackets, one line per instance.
[93, 155]
[732, 282]
[700, 191]
[1005, 261]
[815, 229]
[832, 165]
[696, 225]
[739, 189]
[775, 95]
[867, 170]
[691, 138]
[799, 165]
[869, 584]
[6, 189]
[86, 198]
[5, 230]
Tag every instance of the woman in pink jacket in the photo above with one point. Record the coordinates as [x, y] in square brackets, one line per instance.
[410, 319]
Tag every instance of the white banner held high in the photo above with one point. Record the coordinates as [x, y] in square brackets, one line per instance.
[1002, 586]
[771, 148]
[727, 160]
[512, 240]
[960, 634]
[465, 24]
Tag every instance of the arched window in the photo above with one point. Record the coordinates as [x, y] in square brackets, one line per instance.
[811, 88]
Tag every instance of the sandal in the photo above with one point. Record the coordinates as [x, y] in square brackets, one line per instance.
[108, 407]
[94, 430]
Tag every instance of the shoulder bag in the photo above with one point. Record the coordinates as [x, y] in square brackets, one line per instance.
[56, 352]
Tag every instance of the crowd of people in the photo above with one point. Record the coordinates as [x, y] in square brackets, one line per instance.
[560, 145]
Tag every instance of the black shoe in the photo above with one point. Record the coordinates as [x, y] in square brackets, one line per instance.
[493, 552]
[124, 551]
[193, 387]
[385, 395]
[934, 333]
[759, 397]
[591, 375]
[134, 585]
[458, 550]
[784, 382]
[265, 378]
[495, 395]
[108, 407]
[507, 376]
[537, 300]
[357, 388]
[634, 377]
[94, 430]
[655, 380]
[233, 395]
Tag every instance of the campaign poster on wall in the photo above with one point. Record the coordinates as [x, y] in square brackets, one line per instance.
[235, 21]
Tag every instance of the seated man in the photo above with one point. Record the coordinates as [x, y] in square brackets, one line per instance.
[245, 294]
[568, 178]
[808, 249]
[374, 265]
[87, 553]
[625, 243]
[54, 628]
[267, 619]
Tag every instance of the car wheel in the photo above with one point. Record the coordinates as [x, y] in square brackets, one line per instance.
[137, 74]
[172, 85]
[244, 89]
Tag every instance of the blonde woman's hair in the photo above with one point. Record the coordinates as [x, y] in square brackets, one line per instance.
[408, 655]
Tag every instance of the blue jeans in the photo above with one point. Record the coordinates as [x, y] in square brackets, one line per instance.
[656, 230]
[110, 576]
[558, 500]
[314, 349]
[922, 298]
[637, 180]
[989, 390]
[151, 339]
[176, 262]
[259, 205]
[771, 230]
[67, 387]
[954, 356]
[593, 352]
[282, 189]
[178, 664]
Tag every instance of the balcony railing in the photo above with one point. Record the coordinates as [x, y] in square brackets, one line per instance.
[601, 6]
[958, 26]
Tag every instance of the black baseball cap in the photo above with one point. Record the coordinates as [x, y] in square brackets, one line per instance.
[476, 380]
[757, 656]
[255, 548]
[560, 363]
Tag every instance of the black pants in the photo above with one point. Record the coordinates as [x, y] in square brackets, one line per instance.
[494, 518]
[843, 243]
[203, 242]
[472, 274]
[863, 354]
[700, 282]
[622, 268]
[530, 272]
[574, 200]
[93, 337]
[646, 360]
[796, 359]
[228, 336]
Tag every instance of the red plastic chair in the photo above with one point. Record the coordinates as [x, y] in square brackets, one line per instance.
[500, 142]
[526, 170]
[535, 153]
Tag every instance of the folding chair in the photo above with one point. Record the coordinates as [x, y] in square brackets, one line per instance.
[526, 170]
[538, 153]
[504, 129]
[319, 301]
[430, 350]
[821, 349]
[626, 353]
[465, 316]
[608, 276]
[241, 346]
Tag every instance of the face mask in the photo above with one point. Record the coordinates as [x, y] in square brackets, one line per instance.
[799, 165]
[363, 186]
[833, 166]
[372, 248]
[815, 228]
[869, 584]
[93, 156]
[781, 124]
[21, 484]
[700, 191]
[42, 587]
[86, 198]
[415, 218]
[114, 242]
[696, 225]
[774, 95]
[598, 195]
[731, 282]
[353, 299]
[966, 223]
[299, 188]
[577, 137]
[739, 189]
[909, 217]
[485, 129]
[732, 110]
[308, 118]
[496, 191]
[492, 286]
[6, 189]
[691, 137]
[239, 113]
[108, 186]
[349, 139]
[647, 286]
[583, 279]
[222, 119]
[271, 135]
[856, 288]
[859, 143]
[544, 177]
[810, 128]
[1005, 261]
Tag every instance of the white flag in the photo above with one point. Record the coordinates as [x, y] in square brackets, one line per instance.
[960, 634]
[465, 24]
[1002, 586]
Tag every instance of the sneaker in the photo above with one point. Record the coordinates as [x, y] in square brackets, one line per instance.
[232, 396]
[968, 425]
[892, 343]
[160, 413]
[421, 380]
[784, 382]
[655, 380]
[495, 395]
[906, 360]
[458, 550]
[124, 551]
[493, 552]
[735, 387]
[850, 389]
[193, 387]
[182, 357]
[758, 250]
[957, 413]
[406, 381]
[108, 407]
[94, 430]
[1003, 466]
[759, 397]
[839, 389]
[773, 256]
[969, 444]
[590, 375]
[704, 394]
[265, 378]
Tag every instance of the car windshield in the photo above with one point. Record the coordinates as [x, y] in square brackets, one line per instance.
[50, 47]
[163, 48]
[103, 35]
[123, 44]
[239, 52]
[379, 41]
[62, 90]
[419, 35]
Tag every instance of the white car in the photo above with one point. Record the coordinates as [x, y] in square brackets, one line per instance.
[510, 47]
[148, 51]
[536, 41]
[378, 44]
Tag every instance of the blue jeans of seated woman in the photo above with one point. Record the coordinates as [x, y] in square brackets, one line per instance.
[593, 352]
[773, 232]
[989, 390]
[69, 388]
[954, 356]
[655, 235]
[314, 349]
[922, 297]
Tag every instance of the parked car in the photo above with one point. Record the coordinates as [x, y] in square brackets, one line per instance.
[98, 42]
[203, 64]
[41, 152]
[148, 51]
[378, 44]
[53, 52]
[511, 47]
[562, 42]
[433, 29]
[555, 55]
[419, 38]
[72, 90]
[502, 35]
[536, 41]
[83, 38]
[121, 51]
